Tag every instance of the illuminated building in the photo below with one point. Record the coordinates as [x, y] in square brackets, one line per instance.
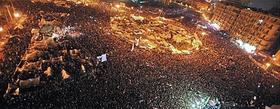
[217, 13]
[197, 4]
[202, 5]
[256, 28]
[277, 58]
[225, 15]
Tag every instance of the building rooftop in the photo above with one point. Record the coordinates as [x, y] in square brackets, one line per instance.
[273, 12]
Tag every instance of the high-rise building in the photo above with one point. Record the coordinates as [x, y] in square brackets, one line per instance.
[225, 15]
[259, 29]
[256, 28]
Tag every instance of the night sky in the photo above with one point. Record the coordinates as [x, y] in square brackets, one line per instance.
[265, 4]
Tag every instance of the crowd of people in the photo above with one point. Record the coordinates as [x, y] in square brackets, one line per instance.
[142, 78]
[155, 33]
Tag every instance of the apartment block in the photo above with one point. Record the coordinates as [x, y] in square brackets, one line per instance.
[254, 27]
[225, 15]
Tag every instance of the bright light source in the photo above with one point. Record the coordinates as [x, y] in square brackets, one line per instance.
[16, 14]
[204, 27]
[1, 29]
[140, 18]
[55, 36]
[193, 105]
[247, 47]
[274, 59]
[240, 42]
[117, 6]
[2, 43]
[216, 26]
[261, 21]
[182, 17]
[198, 100]
[203, 33]
[268, 65]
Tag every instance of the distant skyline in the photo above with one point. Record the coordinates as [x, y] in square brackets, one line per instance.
[265, 4]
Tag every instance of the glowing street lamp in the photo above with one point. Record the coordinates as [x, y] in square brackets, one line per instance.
[1, 29]
[16, 14]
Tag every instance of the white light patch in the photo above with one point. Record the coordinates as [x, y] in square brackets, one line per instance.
[261, 21]
[197, 100]
[1, 29]
[216, 26]
[54, 35]
[247, 47]
[239, 42]
[16, 14]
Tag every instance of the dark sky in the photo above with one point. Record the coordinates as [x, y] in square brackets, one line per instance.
[265, 4]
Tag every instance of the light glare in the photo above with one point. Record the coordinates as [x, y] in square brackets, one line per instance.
[1, 29]
[247, 47]
[16, 14]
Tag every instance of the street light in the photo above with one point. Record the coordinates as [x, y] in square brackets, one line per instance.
[16, 14]
[1, 29]
[273, 58]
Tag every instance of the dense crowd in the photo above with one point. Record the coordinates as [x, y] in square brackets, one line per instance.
[141, 78]
[155, 33]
